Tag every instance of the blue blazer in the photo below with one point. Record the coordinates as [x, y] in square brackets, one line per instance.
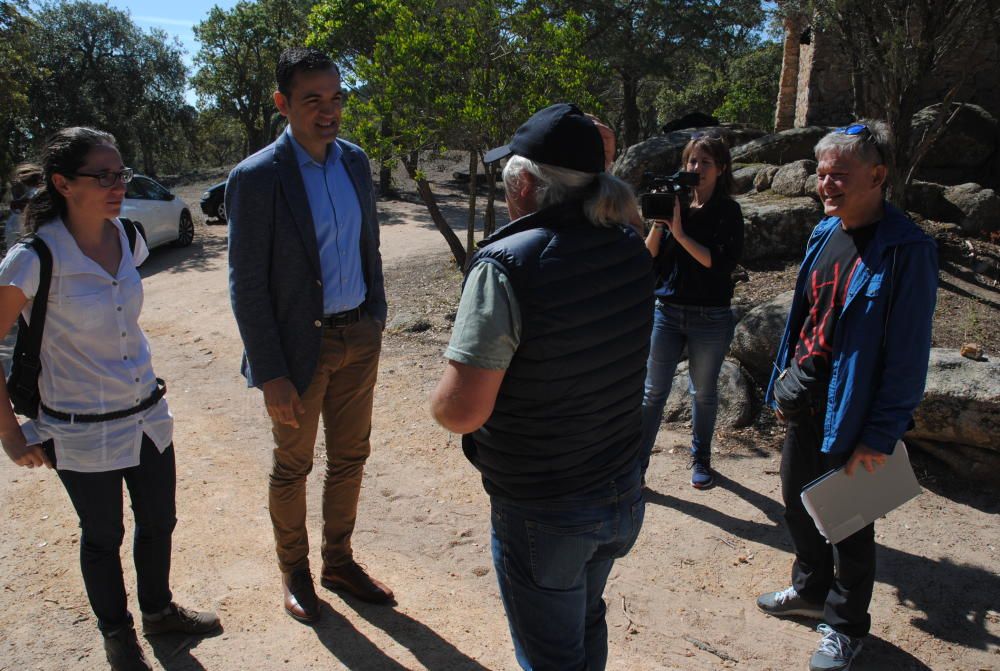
[275, 282]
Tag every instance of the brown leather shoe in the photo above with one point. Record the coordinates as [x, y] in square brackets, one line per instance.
[353, 579]
[300, 595]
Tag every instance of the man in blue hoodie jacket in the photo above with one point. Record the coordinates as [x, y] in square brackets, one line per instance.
[849, 372]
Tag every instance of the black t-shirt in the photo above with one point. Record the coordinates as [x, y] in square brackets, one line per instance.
[717, 225]
[825, 295]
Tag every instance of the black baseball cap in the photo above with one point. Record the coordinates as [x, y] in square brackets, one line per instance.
[559, 135]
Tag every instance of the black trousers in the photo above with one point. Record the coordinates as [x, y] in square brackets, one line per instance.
[841, 576]
[97, 498]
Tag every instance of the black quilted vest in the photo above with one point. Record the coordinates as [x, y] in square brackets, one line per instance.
[568, 413]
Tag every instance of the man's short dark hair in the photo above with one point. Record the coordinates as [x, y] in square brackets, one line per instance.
[300, 59]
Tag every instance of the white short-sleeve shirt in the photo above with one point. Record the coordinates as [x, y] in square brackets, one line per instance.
[95, 358]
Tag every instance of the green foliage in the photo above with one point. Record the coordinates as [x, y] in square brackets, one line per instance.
[741, 89]
[16, 72]
[95, 66]
[643, 44]
[435, 73]
[236, 62]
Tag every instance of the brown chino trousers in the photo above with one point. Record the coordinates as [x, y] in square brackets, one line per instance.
[342, 390]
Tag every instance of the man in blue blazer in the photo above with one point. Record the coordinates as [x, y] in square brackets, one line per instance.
[305, 279]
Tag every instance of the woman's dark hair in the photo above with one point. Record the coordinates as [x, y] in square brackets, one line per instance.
[717, 148]
[26, 175]
[65, 152]
[300, 59]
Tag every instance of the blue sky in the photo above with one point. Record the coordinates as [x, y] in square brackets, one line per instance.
[177, 17]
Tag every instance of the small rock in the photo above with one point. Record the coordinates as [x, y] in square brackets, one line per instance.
[971, 350]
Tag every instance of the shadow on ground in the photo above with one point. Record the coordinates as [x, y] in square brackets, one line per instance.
[952, 601]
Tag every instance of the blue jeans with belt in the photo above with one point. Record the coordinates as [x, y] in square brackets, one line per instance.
[553, 559]
[706, 332]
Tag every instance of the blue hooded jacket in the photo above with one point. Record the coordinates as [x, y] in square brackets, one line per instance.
[883, 336]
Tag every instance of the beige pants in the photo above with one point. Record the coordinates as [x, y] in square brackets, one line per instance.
[341, 390]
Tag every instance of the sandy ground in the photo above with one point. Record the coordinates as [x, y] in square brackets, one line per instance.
[683, 599]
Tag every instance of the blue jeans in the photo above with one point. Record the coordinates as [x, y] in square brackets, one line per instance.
[707, 332]
[552, 561]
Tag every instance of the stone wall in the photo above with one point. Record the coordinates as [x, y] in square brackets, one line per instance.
[823, 88]
[788, 85]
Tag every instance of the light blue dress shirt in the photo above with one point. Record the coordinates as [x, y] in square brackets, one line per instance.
[336, 215]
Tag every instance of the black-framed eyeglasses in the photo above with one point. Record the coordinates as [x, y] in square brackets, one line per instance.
[109, 179]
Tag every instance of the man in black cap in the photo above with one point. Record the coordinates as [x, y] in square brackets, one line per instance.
[545, 379]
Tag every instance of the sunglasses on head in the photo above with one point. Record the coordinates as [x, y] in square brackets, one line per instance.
[862, 131]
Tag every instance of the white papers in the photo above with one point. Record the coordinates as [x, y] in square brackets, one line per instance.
[841, 505]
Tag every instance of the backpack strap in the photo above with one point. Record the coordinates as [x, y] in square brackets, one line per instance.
[28, 347]
[131, 228]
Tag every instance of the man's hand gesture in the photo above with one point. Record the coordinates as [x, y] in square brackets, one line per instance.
[283, 402]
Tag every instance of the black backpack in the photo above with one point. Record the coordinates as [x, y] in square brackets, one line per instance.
[26, 364]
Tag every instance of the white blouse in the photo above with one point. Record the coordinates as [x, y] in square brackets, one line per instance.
[95, 358]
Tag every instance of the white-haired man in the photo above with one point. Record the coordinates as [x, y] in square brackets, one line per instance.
[545, 379]
[853, 361]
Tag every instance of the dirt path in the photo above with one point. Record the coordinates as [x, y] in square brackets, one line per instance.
[689, 584]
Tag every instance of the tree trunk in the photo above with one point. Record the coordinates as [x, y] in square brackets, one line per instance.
[630, 109]
[385, 167]
[490, 215]
[427, 196]
[470, 223]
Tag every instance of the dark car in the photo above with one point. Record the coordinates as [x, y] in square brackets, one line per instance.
[213, 202]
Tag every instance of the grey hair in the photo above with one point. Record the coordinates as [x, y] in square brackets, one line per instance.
[874, 151]
[607, 200]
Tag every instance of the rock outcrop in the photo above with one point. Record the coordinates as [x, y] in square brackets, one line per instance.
[790, 180]
[757, 335]
[789, 145]
[777, 227]
[735, 397]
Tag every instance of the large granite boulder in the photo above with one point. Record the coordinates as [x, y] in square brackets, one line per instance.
[790, 180]
[810, 188]
[959, 418]
[928, 199]
[966, 150]
[764, 177]
[745, 175]
[662, 154]
[735, 397]
[757, 335]
[980, 207]
[779, 148]
[776, 227]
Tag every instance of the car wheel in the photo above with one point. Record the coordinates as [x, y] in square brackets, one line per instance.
[220, 212]
[185, 230]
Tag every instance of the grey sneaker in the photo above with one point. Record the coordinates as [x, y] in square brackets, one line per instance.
[836, 651]
[180, 621]
[788, 602]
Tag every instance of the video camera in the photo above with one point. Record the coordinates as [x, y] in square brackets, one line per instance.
[661, 190]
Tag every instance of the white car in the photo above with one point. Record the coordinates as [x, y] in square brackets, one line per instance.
[164, 217]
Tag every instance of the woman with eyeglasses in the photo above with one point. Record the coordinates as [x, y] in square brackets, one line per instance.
[694, 257]
[103, 419]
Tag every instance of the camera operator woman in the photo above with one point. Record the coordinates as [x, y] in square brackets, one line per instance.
[103, 419]
[694, 259]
